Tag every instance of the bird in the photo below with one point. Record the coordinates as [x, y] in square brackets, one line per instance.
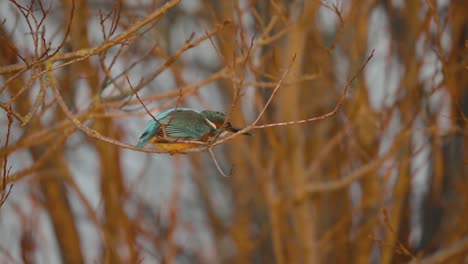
[176, 129]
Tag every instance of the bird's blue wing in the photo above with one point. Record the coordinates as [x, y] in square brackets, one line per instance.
[188, 125]
[153, 127]
[176, 131]
[150, 131]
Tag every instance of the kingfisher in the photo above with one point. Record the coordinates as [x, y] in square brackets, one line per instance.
[175, 127]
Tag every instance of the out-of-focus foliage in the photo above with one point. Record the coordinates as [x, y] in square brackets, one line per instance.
[384, 179]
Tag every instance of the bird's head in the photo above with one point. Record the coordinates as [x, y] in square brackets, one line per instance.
[219, 120]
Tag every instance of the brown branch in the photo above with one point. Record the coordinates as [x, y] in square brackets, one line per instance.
[17, 115]
[44, 56]
[324, 116]
[215, 161]
[341, 101]
[187, 45]
[336, 185]
[186, 90]
[400, 245]
[320, 187]
[162, 126]
[4, 194]
[248, 128]
[42, 161]
[37, 103]
[443, 255]
[85, 53]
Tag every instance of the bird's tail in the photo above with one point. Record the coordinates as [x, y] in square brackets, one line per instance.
[150, 130]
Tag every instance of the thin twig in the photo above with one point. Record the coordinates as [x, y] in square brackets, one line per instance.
[49, 153]
[85, 53]
[189, 44]
[39, 59]
[444, 254]
[249, 127]
[162, 126]
[402, 247]
[5, 194]
[316, 187]
[213, 157]
[341, 101]
[141, 102]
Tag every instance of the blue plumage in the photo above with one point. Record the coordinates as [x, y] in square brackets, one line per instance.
[179, 123]
[148, 133]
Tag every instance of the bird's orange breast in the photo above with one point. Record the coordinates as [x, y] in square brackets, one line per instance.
[176, 147]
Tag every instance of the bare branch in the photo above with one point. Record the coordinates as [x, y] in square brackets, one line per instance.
[444, 254]
[85, 53]
[5, 193]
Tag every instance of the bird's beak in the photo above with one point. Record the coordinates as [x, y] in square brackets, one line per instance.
[235, 130]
